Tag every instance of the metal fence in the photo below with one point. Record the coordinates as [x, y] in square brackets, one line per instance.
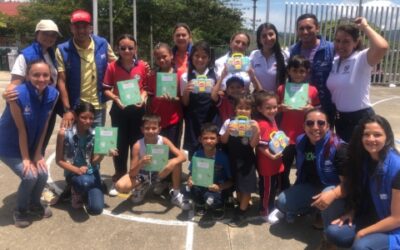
[381, 18]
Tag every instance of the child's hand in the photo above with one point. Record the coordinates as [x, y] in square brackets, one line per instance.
[254, 127]
[284, 107]
[190, 182]
[251, 72]
[113, 152]
[307, 107]
[232, 128]
[188, 88]
[82, 170]
[214, 188]
[224, 72]
[146, 160]
[277, 156]
[119, 103]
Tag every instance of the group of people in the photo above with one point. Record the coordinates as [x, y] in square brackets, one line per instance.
[350, 178]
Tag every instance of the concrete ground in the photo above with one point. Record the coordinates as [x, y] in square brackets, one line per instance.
[155, 224]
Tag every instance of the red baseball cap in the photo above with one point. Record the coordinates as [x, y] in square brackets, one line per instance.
[81, 16]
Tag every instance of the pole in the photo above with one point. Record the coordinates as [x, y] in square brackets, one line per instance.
[360, 11]
[254, 15]
[267, 14]
[110, 7]
[95, 25]
[134, 20]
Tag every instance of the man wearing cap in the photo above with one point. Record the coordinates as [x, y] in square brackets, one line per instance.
[82, 61]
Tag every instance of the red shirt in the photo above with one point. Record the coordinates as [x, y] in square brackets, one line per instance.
[265, 165]
[115, 73]
[293, 120]
[169, 111]
[225, 108]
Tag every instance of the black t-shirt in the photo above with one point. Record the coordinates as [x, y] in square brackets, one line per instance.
[309, 166]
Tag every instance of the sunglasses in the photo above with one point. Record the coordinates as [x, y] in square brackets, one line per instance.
[126, 48]
[311, 123]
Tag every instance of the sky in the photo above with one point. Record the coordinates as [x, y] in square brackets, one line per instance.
[277, 9]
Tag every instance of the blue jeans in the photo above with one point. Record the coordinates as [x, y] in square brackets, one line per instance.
[201, 194]
[297, 199]
[99, 118]
[90, 185]
[31, 187]
[344, 237]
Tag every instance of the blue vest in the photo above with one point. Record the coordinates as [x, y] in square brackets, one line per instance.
[327, 172]
[72, 63]
[34, 52]
[381, 192]
[35, 113]
[320, 69]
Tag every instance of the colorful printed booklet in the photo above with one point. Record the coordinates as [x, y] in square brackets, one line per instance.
[166, 84]
[242, 125]
[202, 84]
[105, 139]
[202, 171]
[238, 62]
[159, 157]
[278, 142]
[296, 95]
[129, 92]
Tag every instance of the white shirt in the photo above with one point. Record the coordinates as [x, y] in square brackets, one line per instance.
[349, 82]
[20, 66]
[265, 68]
[219, 67]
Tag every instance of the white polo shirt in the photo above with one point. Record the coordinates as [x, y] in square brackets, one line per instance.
[265, 68]
[349, 82]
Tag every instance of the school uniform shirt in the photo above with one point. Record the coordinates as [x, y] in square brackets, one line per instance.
[115, 73]
[219, 67]
[225, 107]
[265, 165]
[170, 111]
[293, 120]
[265, 69]
[349, 82]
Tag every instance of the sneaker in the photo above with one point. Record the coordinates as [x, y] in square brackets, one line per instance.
[239, 219]
[179, 201]
[41, 211]
[76, 199]
[275, 216]
[113, 192]
[21, 219]
[199, 209]
[159, 187]
[218, 213]
[65, 196]
[140, 191]
[49, 197]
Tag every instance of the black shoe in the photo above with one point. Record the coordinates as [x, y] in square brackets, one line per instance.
[21, 219]
[239, 219]
[65, 196]
[41, 211]
[199, 209]
[218, 213]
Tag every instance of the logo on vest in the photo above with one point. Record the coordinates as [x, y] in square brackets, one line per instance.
[102, 56]
[27, 110]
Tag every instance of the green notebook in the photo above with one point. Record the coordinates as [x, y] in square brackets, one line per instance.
[129, 92]
[105, 139]
[202, 171]
[159, 157]
[166, 84]
[296, 95]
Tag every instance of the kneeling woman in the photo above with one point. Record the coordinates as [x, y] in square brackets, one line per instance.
[23, 127]
[373, 190]
[319, 159]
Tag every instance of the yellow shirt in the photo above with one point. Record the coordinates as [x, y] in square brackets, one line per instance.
[88, 72]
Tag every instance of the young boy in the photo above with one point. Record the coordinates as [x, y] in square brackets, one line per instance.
[211, 197]
[140, 179]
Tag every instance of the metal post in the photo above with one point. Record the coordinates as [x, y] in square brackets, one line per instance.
[360, 11]
[110, 7]
[95, 25]
[134, 20]
[267, 14]
[254, 15]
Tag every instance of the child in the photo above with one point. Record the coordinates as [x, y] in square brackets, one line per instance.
[126, 118]
[198, 107]
[241, 157]
[212, 195]
[74, 153]
[139, 178]
[269, 164]
[292, 121]
[168, 108]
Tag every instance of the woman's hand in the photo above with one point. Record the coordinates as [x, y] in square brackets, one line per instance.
[10, 95]
[361, 23]
[28, 167]
[41, 165]
[323, 199]
[360, 234]
[348, 217]
[82, 170]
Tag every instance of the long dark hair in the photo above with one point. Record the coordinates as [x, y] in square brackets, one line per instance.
[351, 29]
[201, 45]
[357, 157]
[276, 49]
[84, 107]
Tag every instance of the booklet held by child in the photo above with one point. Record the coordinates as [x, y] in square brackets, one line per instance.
[202, 171]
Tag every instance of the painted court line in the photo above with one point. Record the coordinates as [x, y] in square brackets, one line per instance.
[385, 100]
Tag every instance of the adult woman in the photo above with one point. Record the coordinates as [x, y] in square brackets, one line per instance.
[22, 130]
[372, 187]
[239, 42]
[269, 60]
[46, 34]
[320, 155]
[320, 53]
[182, 37]
[127, 119]
[350, 78]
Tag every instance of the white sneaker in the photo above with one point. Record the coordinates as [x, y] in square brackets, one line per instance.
[179, 201]
[140, 192]
[113, 192]
[275, 216]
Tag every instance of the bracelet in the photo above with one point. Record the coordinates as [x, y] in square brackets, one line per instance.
[67, 110]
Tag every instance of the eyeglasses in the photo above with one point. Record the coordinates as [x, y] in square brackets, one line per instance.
[311, 123]
[126, 48]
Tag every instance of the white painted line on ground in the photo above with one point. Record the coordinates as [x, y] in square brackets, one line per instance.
[385, 100]
[189, 236]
